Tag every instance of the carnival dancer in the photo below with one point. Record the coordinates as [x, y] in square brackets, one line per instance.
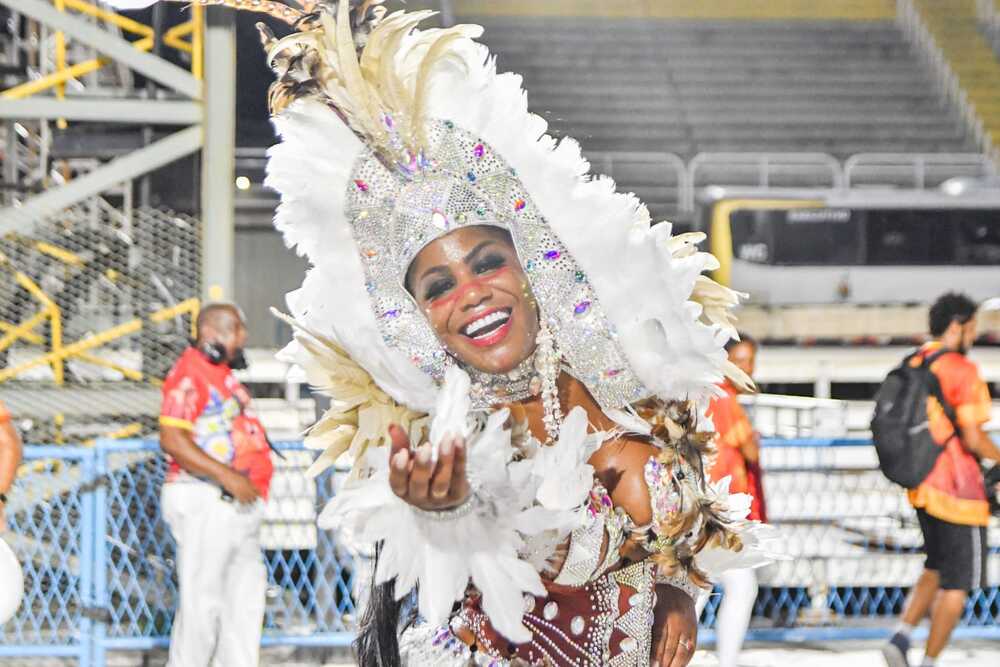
[517, 360]
[738, 458]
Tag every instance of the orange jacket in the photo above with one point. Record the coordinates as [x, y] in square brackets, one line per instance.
[953, 491]
[734, 432]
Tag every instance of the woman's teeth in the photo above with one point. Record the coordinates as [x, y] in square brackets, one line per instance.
[486, 324]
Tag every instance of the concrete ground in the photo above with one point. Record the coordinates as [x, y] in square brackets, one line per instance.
[966, 653]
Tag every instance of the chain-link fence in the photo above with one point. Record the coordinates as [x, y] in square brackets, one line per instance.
[99, 560]
[95, 306]
[854, 543]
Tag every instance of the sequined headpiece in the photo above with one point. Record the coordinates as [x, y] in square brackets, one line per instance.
[393, 137]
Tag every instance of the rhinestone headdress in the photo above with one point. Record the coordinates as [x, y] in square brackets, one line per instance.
[393, 137]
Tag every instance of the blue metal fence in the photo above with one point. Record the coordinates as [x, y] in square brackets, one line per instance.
[99, 561]
[51, 515]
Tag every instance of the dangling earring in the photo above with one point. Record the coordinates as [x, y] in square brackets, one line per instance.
[547, 363]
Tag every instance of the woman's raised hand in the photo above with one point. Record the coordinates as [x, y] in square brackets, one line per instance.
[421, 482]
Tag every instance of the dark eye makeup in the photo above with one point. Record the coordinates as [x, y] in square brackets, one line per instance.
[484, 264]
[438, 288]
[490, 262]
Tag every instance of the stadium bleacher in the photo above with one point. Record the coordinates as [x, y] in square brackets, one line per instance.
[839, 87]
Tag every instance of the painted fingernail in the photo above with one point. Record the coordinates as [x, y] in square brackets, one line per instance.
[399, 460]
[424, 455]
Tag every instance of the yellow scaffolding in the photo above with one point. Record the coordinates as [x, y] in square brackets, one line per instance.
[174, 38]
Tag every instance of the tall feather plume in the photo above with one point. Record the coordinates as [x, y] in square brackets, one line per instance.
[368, 67]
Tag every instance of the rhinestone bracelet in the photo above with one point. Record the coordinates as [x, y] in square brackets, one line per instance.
[450, 514]
[677, 581]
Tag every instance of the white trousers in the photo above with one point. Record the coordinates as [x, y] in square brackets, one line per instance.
[221, 576]
[733, 617]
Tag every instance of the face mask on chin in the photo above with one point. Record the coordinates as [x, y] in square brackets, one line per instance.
[238, 361]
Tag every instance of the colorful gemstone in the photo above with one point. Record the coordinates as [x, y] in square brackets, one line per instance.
[580, 276]
[389, 314]
[478, 151]
[577, 625]
[471, 177]
[530, 265]
[581, 308]
[370, 286]
[450, 125]
[552, 255]
[388, 121]
[612, 372]
[439, 220]
[550, 611]
[361, 185]
[481, 212]
[371, 252]
[519, 204]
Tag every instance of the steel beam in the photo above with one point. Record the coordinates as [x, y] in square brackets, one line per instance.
[110, 45]
[219, 156]
[158, 112]
[23, 218]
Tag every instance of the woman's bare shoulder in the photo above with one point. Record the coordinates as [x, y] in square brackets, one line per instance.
[620, 466]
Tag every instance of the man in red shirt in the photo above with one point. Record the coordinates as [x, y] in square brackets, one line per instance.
[951, 502]
[218, 475]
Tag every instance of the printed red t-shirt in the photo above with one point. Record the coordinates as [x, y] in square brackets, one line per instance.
[209, 401]
[734, 431]
[954, 489]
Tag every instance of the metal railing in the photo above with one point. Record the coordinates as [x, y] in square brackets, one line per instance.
[681, 181]
[920, 170]
[765, 169]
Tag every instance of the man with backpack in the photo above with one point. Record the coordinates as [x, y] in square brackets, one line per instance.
[944, 442]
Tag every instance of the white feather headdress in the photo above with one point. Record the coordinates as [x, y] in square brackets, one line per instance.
[392, 137]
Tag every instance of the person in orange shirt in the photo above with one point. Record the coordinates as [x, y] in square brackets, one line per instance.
[951, 502]
[10, 458]
[738, 457]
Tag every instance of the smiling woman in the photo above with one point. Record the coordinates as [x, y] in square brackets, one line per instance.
[471, 287]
